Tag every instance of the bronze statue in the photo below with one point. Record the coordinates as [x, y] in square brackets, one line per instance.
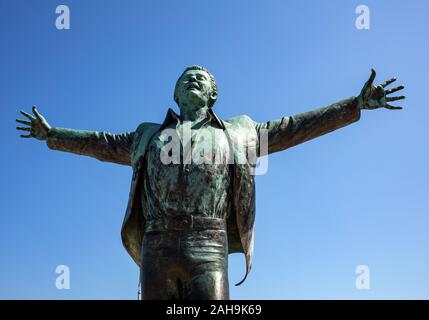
[184, 216]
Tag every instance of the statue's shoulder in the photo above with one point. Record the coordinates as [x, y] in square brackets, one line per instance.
[147, 126]
[241, 121]
[145, 129]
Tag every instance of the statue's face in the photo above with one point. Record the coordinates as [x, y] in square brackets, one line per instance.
[194, 89]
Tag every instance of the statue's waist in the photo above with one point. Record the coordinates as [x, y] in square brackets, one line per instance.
[185, 222]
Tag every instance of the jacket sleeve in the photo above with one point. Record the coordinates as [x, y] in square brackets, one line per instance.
[103, 146]
[290, 131]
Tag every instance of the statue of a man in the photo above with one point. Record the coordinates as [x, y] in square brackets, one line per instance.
[185, 216]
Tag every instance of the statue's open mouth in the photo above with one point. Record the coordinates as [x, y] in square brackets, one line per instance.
[192, 86]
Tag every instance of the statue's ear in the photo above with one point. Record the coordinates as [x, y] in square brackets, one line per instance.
[213, 97]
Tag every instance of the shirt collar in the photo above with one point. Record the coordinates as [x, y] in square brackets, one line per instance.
[173, 116]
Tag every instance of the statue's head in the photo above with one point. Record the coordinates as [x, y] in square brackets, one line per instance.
[195, 88]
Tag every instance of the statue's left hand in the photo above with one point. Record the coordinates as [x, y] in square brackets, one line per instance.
[36, 126]
[374, 97]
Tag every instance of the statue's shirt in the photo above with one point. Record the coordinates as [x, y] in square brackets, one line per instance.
[197, 185]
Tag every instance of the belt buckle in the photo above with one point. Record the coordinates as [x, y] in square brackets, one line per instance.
[183, 221]
[190, 221]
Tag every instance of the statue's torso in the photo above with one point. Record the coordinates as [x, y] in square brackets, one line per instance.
[193, 186]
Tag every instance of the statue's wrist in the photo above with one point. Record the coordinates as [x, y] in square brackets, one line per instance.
[49, 133]
[360, 102]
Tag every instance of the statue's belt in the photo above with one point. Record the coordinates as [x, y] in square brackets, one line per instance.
[185, 222]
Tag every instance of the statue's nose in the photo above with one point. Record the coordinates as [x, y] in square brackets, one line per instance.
[193, 79]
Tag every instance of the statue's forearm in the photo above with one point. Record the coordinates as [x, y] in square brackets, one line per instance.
[291, 131]
[103, 146]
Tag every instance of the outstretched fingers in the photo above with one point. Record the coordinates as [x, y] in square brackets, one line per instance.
[28, 123]
[29, 116]
[388, 106]
[395, 98]
[36, 113]
[394, 89]
[371, 78]
[387, 82]
[24, 129]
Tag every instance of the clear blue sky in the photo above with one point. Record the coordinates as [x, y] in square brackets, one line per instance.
[356, 196]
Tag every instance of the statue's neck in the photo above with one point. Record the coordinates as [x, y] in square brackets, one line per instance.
[195, 115]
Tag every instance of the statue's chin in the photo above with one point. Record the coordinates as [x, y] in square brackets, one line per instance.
[195, 100]
[194, 93]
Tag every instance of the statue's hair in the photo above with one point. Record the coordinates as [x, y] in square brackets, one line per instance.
[211, 102]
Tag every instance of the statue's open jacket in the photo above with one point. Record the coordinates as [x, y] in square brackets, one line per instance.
[130, 148]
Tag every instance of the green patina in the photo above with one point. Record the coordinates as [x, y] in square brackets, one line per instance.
[219, 191]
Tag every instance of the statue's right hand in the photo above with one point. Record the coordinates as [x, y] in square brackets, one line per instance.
[37, 127]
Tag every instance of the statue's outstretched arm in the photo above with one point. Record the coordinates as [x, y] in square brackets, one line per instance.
[103, 146]
[290, 131]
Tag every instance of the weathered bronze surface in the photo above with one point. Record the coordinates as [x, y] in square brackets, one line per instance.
[186, 214]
